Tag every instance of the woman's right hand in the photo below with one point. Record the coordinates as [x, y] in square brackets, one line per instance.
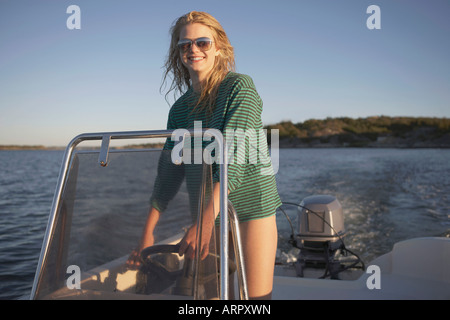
[147, 240]
[134, 260]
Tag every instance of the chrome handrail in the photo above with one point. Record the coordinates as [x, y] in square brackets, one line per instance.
[106, 137]
[240, 265]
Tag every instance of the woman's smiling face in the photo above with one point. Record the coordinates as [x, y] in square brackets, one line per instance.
[198, 62]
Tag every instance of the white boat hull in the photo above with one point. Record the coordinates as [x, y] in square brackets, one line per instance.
[414, 269]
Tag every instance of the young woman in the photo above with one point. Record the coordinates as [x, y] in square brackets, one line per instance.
[201, 64]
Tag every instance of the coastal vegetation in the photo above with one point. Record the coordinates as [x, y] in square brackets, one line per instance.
[24, 147]
[377, 131]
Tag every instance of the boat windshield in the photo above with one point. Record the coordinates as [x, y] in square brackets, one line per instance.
[100, 219]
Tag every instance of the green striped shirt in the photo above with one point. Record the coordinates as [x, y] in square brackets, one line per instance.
[237, 114]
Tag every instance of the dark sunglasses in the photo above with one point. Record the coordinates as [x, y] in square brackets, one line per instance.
[203, 44]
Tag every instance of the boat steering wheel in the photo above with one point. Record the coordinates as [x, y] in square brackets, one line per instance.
[174, 248]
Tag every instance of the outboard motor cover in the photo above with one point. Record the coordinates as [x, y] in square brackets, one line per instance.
[320, 218]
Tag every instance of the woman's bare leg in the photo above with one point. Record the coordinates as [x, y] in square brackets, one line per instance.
[259, 241]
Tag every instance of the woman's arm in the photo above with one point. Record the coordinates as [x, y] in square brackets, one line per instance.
[147, 238]
[188, 244]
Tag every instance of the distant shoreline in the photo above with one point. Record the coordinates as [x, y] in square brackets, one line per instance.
[293, 144]
[44, 148]
[371, 132]
[283, 144]
[28, 147]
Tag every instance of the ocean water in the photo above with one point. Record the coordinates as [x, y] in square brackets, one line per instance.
[387, 195]
[27, 183]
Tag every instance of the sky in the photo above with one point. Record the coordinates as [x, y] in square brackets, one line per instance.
[309, 59]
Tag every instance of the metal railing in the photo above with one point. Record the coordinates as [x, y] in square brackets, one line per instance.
[235, 232]
[106, 137]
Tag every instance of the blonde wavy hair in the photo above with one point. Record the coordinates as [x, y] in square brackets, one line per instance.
[223, 63]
